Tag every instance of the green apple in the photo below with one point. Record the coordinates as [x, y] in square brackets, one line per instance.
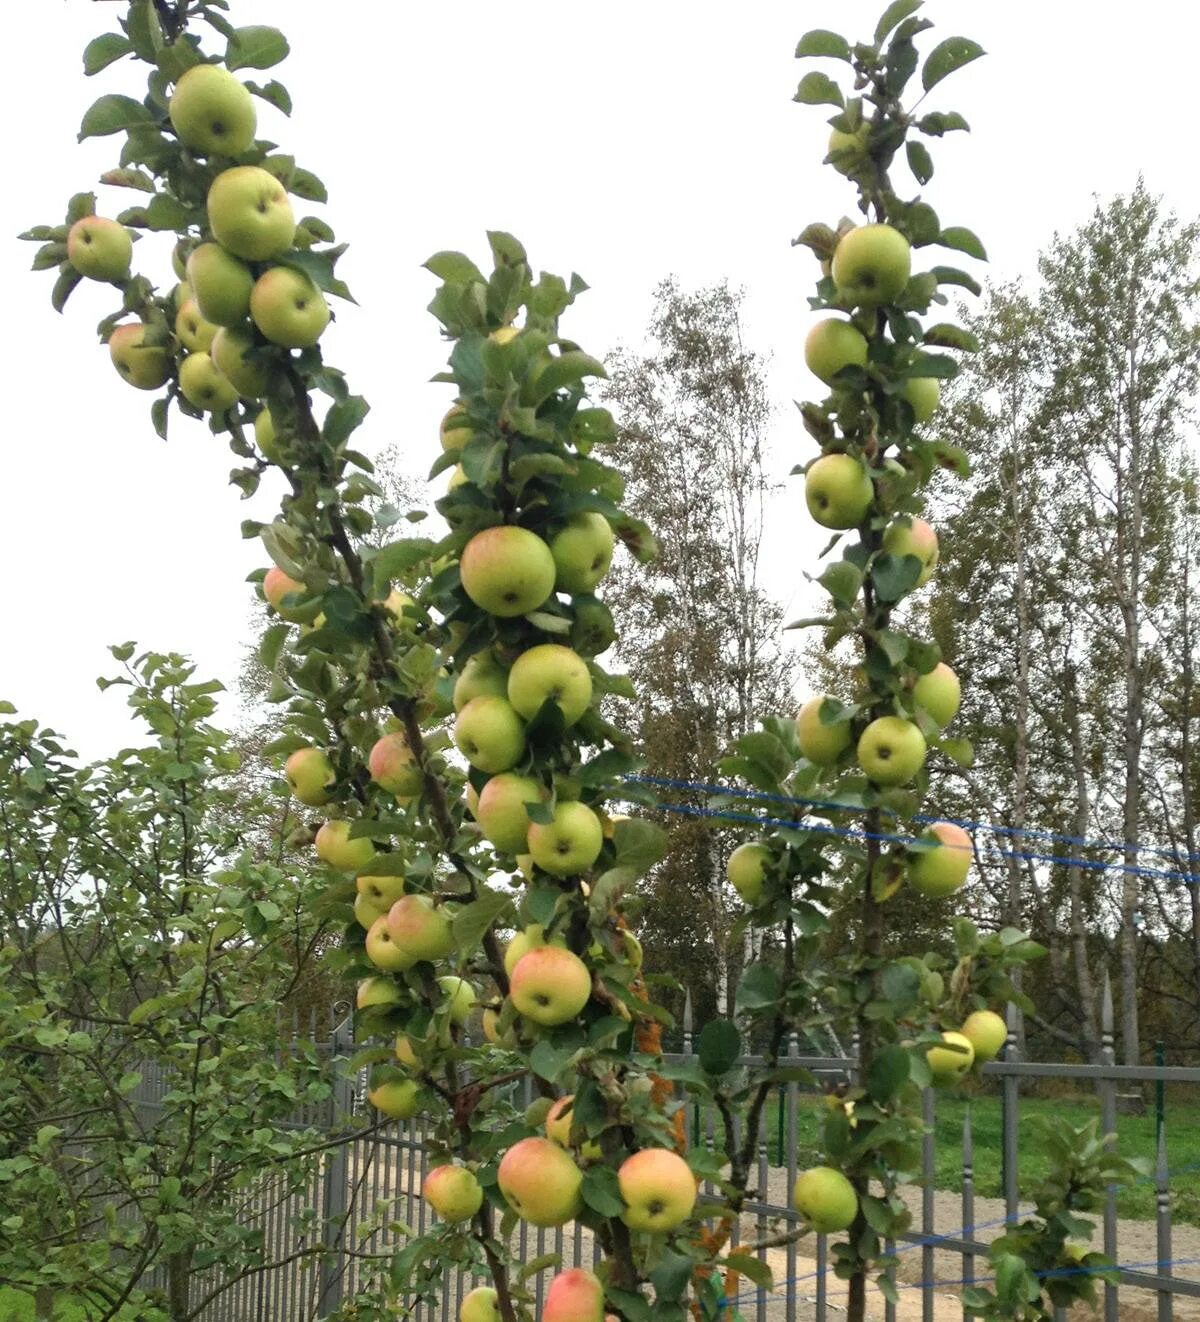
[501, 812]
[335, 847]
[277, 586]
[242, 361]
[381, 950]
[987, 1033]
[420, 929]
[953, 1060]
[825, 1199]
[461, 996]
[747, 870]
[376, 991]
[453, 1192]
[249, 213]
[529, 938]
[366, 912]
[871, 265]
[191, 330]
[396, 602]
[146, 366]
[855, 143]
[398, 1098]
[838, 491]
[582, 552]
[831, 345]
[923, 393]
[288, 308]
[179, 261]
[659, 1190]
[569, 844]
[504, 334]
[405, 1052]
[382, 891]
[205, 385]
[917, 538]
[309, 774]
[212, 111]
[221, 285]
[550, 671]
[891, 750]
[507, 571]
[480, 1305]
[458, 478]
[393, 767]
[490, 734]
[942, 870]
[482, 674]
[575, 1295]
[99, 248]
[550, 985]
[540, 1182]
[267, 436]
[939, 693]
[559, 1119]
[454, 431]
[821, 744]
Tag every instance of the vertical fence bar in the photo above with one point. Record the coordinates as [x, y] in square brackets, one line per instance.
[788, 1156]
[1107, 1086]
[928, 1160]
[337, 1175]
[760, 1224]
[968, 1199]
[1010, 1114]
[1160, 1110]
[1162, 1203]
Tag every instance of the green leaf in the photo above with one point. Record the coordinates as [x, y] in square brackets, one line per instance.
[822, 42]
[394, 559]
[103, 50]
[842, 580]
[753, 1269]
[894, 576]
[759, 988]
[963, 240]
[568, 369]
[455, 268]
[933, 364]
[938, 123]
[63, 286]
[888, 1072]
[959, 750]
[946, 57]
[470, 923]
[945, 335]
[901, 985]
[719, 1046]
[271, 645]
[893, 15]
[919, 161]
[639, 844]
[818, 89]
[671, 1276]
[274, 93]
[600, 1190]
[344, 418]
[113, 114]
[318, 266]
[255, 48]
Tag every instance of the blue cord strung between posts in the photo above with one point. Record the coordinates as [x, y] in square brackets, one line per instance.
[1029, 833]
[855, 833]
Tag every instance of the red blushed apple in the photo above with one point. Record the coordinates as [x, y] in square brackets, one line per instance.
[575, 1295]
[540, 1182]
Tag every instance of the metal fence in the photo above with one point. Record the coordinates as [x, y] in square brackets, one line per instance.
[944, 1251]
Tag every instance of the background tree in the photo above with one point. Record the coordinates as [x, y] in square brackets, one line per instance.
[697, 633]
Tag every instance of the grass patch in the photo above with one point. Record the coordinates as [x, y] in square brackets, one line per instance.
[1136, 1137]
[17, 1306]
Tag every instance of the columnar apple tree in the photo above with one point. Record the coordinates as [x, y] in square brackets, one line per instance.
[445, 704]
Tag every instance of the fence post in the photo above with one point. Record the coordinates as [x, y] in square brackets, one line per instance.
[1010, 1105]
[334, 1206]
[1160, 1059]
[1108, 1120]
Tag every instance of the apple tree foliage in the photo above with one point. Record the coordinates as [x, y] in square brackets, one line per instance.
[145, 951]
[368, 671]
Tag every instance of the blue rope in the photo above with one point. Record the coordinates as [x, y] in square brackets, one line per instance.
[846, 832]
[1082, 841]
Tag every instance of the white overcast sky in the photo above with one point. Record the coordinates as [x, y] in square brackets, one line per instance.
[626, 141]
